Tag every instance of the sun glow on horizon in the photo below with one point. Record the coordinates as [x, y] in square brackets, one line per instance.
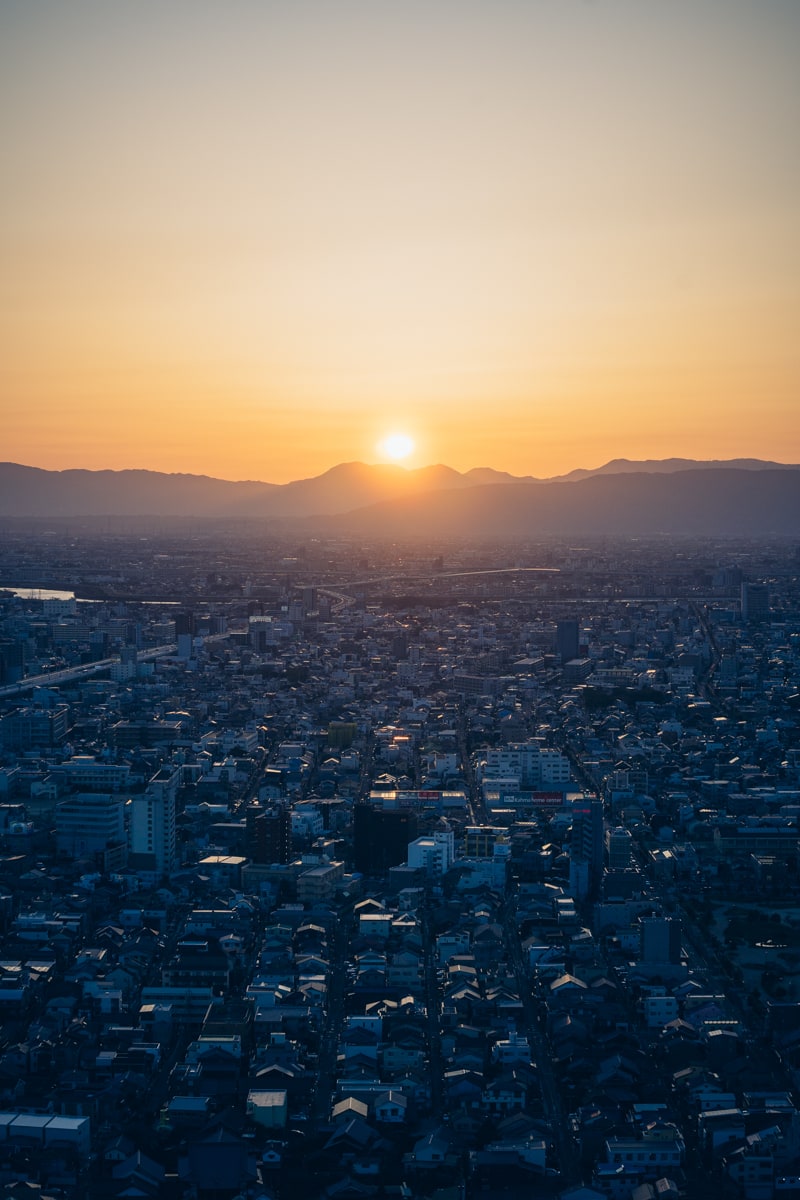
[311, 263]
[396, 446]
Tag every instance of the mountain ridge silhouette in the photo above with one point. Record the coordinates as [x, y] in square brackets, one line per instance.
[711, 496]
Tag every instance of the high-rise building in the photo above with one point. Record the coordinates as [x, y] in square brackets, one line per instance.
[586, 845]
[269, 833]
[12, 661]
[184, 633]
[152, 830]
[755, 602]
[381, 837]
[567, 640]
[620, 844]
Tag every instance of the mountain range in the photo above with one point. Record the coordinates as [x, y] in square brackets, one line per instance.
[738, 496]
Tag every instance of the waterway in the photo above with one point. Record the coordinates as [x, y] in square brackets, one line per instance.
[42, 593]
[37, 593]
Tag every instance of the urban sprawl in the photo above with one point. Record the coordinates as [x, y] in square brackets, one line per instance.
[341, 870]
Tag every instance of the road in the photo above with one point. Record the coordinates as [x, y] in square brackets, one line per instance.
[325, 1083]
[433, 1006]
[83, 670]
[52, 678]
[540, 1053]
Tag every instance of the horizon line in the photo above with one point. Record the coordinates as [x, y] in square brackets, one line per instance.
[409, 470]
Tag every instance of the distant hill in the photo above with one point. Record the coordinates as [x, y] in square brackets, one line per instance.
[743, 496]
[354, 485]
[33, 492]
[718, 501]
[665, 466]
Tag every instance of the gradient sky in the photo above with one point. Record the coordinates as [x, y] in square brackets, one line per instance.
[250, 239]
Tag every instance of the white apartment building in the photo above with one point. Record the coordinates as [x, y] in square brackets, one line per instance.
[435, 854]
[152, 829]
[534, 766]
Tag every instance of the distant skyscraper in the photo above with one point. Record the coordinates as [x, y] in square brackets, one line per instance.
[755, 602]
[586, 844]
[12, 660]
[184, 623]
[184, 633]
[567, 640]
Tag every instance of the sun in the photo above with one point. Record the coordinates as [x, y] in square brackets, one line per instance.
[396, 446]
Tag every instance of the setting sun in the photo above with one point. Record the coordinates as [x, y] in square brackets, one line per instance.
[396, 446]
[311, 263]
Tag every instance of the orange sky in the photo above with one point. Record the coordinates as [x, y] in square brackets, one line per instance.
[250, 240]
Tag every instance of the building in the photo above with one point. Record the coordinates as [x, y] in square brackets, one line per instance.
[269, 833]
[434, 854]
[660, 940]
[46, 1131]
[381, 837]
[12, 661]
[619, 843]
[85, 772]
[653, 1152]
[529, 763]
[91, 825]
[567, 640]
[35, 726]
[319, 884]
[268, 1108]
[152, 829]
[755, 602]
[184, 633]
[586, 846]
[479, 840]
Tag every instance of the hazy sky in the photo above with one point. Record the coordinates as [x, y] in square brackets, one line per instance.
[250, 239]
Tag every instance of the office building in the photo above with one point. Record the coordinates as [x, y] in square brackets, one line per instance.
[269, 833]
[381, 837]
[586, 846]
[92, 826]
[567, 640]
[755, 602]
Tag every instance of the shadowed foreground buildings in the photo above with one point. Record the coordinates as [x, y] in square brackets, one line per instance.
[299, 914]
[381, 837]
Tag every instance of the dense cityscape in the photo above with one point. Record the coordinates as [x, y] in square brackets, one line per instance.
[342, 869]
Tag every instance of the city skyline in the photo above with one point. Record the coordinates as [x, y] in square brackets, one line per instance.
[256, 242]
